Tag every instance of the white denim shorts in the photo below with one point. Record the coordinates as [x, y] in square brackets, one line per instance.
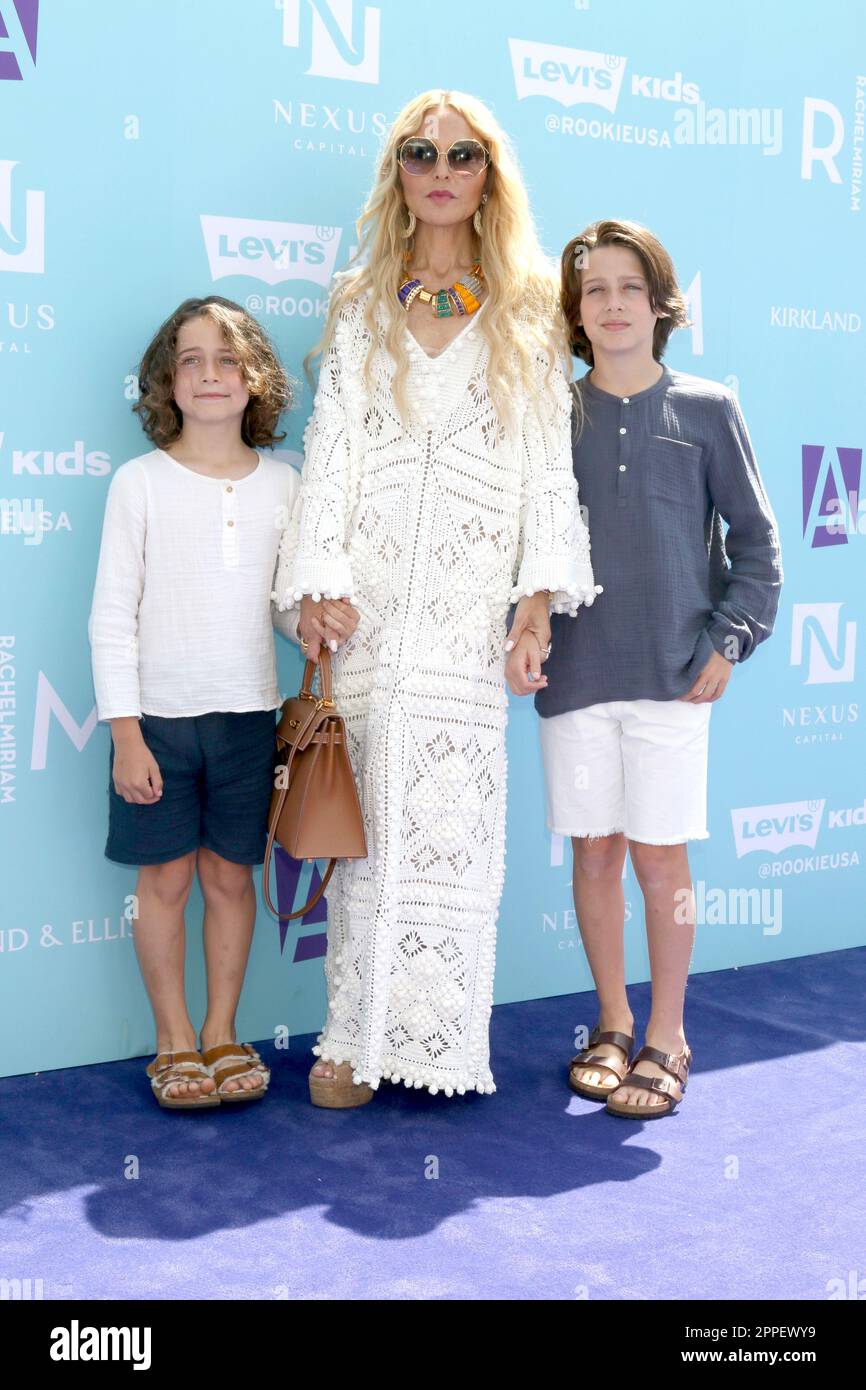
[632, 766]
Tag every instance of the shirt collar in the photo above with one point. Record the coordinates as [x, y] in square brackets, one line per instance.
[594, 393]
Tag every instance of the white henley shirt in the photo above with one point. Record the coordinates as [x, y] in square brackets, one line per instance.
[181, 621]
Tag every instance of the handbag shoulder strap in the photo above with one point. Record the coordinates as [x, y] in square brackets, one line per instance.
[308, 906]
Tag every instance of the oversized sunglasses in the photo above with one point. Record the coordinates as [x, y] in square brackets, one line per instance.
[418, 155]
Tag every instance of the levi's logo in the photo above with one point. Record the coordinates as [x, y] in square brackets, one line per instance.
[776, 828]
[567, 75]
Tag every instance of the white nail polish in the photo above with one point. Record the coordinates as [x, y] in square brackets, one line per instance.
[508, 645]
[333, 646]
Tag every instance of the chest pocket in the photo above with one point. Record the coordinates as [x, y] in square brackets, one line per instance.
[673, 471]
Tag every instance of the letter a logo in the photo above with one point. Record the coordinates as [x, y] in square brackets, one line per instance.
[831, 494]
[18, 19]
[289, 871]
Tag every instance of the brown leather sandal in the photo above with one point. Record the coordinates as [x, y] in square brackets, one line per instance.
[168, 1068]
[672, 1086]
[338, 1092]
[588, 1058]
[236, 1059]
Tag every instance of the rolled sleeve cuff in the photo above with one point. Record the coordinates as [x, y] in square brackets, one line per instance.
[106, 710]
[286, 621]
[726, 639]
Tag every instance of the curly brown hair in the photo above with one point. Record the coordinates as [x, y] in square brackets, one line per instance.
[665, 296]
[268, 383]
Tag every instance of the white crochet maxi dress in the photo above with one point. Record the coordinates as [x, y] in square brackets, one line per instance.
[433, 531]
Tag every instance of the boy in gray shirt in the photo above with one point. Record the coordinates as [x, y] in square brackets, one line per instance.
[662, 459]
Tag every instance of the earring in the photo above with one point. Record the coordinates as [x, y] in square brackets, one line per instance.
[410, 225]
[476, 221]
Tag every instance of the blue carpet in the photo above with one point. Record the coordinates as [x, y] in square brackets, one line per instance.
[753, 1190]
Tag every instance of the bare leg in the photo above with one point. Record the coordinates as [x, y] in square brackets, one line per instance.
[160, 943]
[665, 879]
[599, 903]
[229, 919]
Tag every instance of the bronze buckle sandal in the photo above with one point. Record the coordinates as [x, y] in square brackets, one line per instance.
[338, 1092]
[236, 1059]
[588, 1058]
[675, 1064]
[167, 1068]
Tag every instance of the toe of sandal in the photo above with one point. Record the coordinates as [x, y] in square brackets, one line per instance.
[599, 1062]
[228, 1061]
[339, 1091]
[671, 1088]
[172, 1068]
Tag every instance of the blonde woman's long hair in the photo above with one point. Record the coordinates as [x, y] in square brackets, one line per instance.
[523, 310]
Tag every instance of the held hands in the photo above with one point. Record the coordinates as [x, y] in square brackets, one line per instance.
[136, 776]
[712, 681]
[527, 644]
[331, 621]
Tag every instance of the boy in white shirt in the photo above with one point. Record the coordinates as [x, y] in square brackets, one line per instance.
[184, 670]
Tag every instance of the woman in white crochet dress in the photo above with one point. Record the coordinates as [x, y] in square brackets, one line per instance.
[437, 490]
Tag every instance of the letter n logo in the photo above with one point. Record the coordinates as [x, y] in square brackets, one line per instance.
[341, 37]
[823, 643]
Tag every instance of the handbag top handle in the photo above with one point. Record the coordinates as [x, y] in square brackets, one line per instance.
[324, 666]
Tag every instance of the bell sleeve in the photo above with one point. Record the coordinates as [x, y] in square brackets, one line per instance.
[313, 556]
[553, 551]
[285, 612]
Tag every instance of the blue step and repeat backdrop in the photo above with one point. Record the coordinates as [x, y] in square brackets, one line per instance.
[154, 149]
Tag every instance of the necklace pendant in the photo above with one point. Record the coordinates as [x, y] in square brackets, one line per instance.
[459, 298]
[409, 291]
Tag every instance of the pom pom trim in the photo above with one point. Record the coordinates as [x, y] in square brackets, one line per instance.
[411, 1078]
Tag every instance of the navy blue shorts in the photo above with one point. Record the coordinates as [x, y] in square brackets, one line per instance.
[218, 774]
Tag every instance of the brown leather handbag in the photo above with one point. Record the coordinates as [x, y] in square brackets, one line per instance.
[315, 812]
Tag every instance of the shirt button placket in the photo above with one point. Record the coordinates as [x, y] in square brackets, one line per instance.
[623, 480]
[230, 526]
